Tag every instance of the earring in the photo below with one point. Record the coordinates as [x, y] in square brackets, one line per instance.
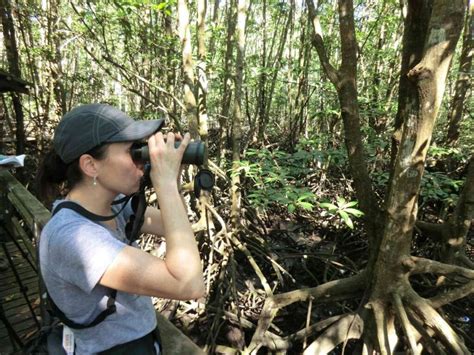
[94, 181]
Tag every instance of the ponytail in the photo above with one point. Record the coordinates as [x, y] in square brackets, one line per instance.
[51, 176]
[55, 178]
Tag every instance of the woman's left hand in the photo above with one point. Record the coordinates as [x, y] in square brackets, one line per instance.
[165, 159]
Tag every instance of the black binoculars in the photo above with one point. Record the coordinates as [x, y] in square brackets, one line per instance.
[194, 153]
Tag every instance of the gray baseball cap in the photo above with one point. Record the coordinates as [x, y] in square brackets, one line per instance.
[88, 126]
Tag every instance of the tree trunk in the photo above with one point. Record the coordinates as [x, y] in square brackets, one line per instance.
[242, 8]
[187, 56]
[344, 80]
[171, 72]
[204, 200]
[463, 81]
[262, 82]
[9, 38]
[275, 69]
[298, 119]
[215, 16]
[413, 35]
[427, 83]
[227, 86]
[56, 65]
[202, 71]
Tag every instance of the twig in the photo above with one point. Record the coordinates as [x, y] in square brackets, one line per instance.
[308, 320]
[254, 265]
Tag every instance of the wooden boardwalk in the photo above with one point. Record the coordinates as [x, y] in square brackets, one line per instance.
[19, 307]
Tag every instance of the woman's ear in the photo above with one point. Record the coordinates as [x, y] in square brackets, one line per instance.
[88, 165]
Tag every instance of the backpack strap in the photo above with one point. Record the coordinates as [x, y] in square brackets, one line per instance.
[89, 215]
[111, 308]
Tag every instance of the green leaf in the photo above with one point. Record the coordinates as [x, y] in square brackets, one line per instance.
[354, 212]
[350, 204]
[340, 200]
[346, 219]
[291, 208]
[329, 206]
[306, 205]
[305, 195]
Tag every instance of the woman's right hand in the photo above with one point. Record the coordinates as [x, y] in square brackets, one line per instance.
[165, 159]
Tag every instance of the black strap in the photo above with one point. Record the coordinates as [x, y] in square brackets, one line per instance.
[135, 223]
[89, 215]
[111, 308]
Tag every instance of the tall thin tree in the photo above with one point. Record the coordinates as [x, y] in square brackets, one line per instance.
[464, 79]
[242, 7]
[188, 67]
[9, 40]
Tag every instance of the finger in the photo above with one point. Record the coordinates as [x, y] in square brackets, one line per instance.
[156, 138]
[170, 139]
[186, 138]
[160, 137]
[185, 142]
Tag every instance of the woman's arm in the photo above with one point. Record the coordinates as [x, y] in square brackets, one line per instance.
[153, 223]
[179, 276]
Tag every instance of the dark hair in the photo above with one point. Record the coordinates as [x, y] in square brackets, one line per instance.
[56, 178]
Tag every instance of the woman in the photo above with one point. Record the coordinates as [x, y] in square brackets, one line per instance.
[82, 260]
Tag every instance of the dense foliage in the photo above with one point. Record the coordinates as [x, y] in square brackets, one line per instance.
[295, 179]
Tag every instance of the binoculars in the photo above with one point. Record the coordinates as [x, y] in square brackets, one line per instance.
[194, 153]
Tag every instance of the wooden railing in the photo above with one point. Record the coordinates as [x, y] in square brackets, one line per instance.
[23, 217]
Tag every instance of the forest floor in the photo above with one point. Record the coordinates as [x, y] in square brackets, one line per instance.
[309, 255]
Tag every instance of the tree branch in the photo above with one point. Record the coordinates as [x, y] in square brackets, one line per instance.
[452, 295]
[437, 232]
[418, 265]
[330, 291]
[318, 43]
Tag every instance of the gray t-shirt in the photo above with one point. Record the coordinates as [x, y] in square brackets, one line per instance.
[74, 254]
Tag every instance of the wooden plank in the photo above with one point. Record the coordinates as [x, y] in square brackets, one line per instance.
[14, 304]
[10, 300]
[18, 230]
[25, 275]
[10, 295]
[34, 214]
[19, 302]
[20, 316]
[24, 270]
